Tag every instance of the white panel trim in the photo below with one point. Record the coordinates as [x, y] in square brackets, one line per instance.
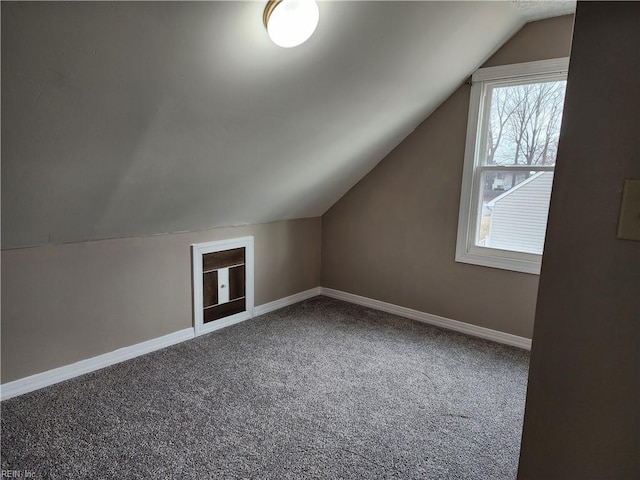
[467, 328]
[223, 285]
[223, 322]
[50, 377]
[286, 301]
[199, 249]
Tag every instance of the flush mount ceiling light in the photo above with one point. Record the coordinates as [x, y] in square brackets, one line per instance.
[290, 23]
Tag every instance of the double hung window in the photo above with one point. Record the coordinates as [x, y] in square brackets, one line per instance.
[512, 139]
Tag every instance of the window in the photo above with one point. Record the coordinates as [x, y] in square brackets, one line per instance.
[512, 139]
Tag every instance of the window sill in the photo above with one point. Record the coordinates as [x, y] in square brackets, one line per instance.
[502, 259]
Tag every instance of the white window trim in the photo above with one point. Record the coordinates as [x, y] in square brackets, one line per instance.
[466, 250]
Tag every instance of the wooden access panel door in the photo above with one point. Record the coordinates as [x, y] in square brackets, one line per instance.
[223, 283]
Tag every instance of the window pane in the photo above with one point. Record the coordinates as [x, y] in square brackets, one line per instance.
[514, 212]
[523, 124]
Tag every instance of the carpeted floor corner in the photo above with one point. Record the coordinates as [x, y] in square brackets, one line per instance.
[321, 389]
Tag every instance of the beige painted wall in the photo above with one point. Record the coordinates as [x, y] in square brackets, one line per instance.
[392, 237]
[65, 303]
[582, 418]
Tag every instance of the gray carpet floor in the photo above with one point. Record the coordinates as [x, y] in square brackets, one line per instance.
[320, 389]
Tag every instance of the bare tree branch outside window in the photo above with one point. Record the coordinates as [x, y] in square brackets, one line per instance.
[523, 124]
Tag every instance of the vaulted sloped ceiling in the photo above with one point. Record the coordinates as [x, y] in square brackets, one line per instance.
[124, 119]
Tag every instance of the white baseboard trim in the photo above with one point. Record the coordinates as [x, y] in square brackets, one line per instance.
[286, 301]
[467, 328]
[50, 377]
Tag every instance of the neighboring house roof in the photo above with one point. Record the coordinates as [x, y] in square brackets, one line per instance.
[136, 118]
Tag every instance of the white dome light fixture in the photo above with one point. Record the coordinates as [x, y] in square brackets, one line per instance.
[290, 23]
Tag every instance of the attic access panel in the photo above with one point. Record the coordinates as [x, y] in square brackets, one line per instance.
[222, 283]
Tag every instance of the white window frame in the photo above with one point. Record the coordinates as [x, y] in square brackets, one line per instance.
[466, 249]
